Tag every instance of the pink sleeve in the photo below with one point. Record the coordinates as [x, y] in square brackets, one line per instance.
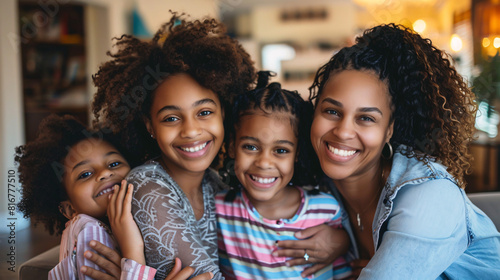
[131, 270]
[62, 271]
[91, 232]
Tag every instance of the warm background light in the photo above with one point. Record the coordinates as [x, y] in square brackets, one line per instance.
[456, 43]
[496, 43]
[486, 42]
[419, 25]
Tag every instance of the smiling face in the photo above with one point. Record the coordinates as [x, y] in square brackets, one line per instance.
[186, 120]
[351, 124]
[265, 149]
[92, 168]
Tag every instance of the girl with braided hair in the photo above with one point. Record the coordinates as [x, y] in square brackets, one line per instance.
[269, 142]
[406, 210]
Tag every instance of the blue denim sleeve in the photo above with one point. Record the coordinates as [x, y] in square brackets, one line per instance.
[426, 232]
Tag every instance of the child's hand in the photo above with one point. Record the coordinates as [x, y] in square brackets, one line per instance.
[177, 274]
[122, 223]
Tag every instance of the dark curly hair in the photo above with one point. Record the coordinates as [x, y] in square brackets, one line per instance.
[270, 98]
[126, 84]
[41, 170]
[433, 109]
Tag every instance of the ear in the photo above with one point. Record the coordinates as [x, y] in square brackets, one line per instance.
[66, 208]
[390, 131]
[149, 126]
[232, 151]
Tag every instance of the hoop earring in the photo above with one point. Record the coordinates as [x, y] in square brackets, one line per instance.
[391, 152]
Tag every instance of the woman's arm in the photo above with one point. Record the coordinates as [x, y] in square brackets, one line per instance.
[323, 243]
[109, 260]
[426, 232]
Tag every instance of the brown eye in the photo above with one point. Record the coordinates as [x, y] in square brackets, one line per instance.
[282, 151]
[84, 175]
[367, 119]
[205, 113]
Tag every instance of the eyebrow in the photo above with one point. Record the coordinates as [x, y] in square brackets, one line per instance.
[86, 161]
[195, 104]
[257, 140]
[364, 109]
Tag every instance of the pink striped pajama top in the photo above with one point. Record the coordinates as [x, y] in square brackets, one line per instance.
[75, 240]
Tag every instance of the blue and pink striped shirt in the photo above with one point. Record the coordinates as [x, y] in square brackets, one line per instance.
[247, 239]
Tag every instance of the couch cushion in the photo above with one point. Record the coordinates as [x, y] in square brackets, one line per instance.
[39, 266]
[489, 202]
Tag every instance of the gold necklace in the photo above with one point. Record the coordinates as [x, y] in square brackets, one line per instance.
[358, 214]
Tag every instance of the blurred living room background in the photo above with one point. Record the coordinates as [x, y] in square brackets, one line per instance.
[49, 49]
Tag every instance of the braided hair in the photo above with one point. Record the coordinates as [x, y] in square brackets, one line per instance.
[271, 98]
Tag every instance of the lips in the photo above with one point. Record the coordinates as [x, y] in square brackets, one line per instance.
[194, 149]
[263, 180]
[340, 154]
[106, 189]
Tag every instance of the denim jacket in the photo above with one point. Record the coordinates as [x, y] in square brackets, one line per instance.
[425, 227]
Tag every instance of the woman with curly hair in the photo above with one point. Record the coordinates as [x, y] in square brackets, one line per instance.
[406, 211]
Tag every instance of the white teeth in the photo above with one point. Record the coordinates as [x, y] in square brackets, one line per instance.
[342, 153]
[263, 180]
[194, 149]
[104, 191]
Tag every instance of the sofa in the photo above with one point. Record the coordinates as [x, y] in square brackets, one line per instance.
[489, 202]
[39, 266]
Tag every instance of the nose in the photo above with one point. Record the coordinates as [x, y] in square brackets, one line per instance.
[104, 174]
[263, 160]
[190, 128]
[344, 130]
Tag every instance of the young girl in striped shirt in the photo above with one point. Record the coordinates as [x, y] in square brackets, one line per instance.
[270, 128]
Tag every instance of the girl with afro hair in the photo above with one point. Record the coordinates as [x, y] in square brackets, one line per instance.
[392, 124]
[69, 178]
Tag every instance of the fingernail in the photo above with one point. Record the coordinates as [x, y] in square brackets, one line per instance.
[92, 243]
[83, 269]
[211, 274]
[88, 254]
[275, 254]
[287, 264]
[298, 234]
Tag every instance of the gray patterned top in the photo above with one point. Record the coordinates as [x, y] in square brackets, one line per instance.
[168, 224]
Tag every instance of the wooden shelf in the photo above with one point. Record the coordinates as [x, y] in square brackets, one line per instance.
[54, 66]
